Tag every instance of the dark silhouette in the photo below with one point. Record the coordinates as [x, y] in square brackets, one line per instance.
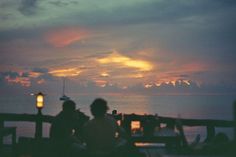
[65, 130]
[149, 124]
[218, 145]
[102, 134]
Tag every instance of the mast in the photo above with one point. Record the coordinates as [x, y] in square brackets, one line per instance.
[63, 86]
[64, 97]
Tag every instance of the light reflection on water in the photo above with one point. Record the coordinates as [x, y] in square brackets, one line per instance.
[184, 106]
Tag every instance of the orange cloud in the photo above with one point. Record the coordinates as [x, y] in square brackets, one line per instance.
[134, 76]
[66, 36]
[101, 83]
[41, 81]
[24, 78]
[116, 58]
[65, 72]
[24, 81]
[105, 74]
[34, 74]
[194, 67]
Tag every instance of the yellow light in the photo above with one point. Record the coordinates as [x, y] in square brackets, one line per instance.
[135, 125]
[39, 100]
[104, 74]
[158, 84]
[187, 82]
[119, 122]
[173, 83]
[65, 72]
[148, 85]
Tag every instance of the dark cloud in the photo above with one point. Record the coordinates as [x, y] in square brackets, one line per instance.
[206, 27]
[47, 77]
[11, 74]
[168, 11]
[15, 34]
[40, 70]
[59, 3]
[5, 17]
[25, 74]
[28, 7]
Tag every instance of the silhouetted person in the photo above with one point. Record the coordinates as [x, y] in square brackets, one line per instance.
[101, 133]
[219, 144]
[114, 112]
[63, 129]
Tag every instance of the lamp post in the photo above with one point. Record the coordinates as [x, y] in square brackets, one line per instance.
[39, 102]
[39, 106]
[234, 110]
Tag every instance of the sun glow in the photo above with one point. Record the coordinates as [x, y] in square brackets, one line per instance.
[104, 74]
[65, 72]
[117, 58]
[148, 85]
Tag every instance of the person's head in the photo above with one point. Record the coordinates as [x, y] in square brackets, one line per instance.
[68, 106]
[99, 107]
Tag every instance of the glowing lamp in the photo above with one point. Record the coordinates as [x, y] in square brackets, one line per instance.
[39, 123]
[136, 128]
[39, 100]
[135, 125]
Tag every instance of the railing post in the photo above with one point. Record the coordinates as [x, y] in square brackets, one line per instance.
[234, 110]
[127, 124]
[210, 132]
[1, 137]
[39, 125]
[148, 124]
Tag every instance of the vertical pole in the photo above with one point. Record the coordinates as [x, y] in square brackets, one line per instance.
[39, 125]
[183, 140]
[1, 137]
[210, 133]
[234, 109]
[13, 139]
[127, 124]
[1, 124]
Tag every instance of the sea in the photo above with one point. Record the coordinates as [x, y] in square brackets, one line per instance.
[183, 106]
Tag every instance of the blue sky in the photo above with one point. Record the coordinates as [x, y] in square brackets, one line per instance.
[150, 46]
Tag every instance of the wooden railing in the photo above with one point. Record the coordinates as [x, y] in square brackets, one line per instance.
[38, 119]
[147, 122]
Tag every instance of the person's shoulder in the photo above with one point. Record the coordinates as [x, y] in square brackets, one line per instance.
[111, 119]
[88, 123]
[57, 117]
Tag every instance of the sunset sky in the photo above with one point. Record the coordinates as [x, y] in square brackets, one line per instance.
[149, 46]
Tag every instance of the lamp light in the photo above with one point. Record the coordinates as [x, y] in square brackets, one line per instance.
[39, 100]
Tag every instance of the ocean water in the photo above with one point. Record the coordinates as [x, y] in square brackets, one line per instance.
[184, 106]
